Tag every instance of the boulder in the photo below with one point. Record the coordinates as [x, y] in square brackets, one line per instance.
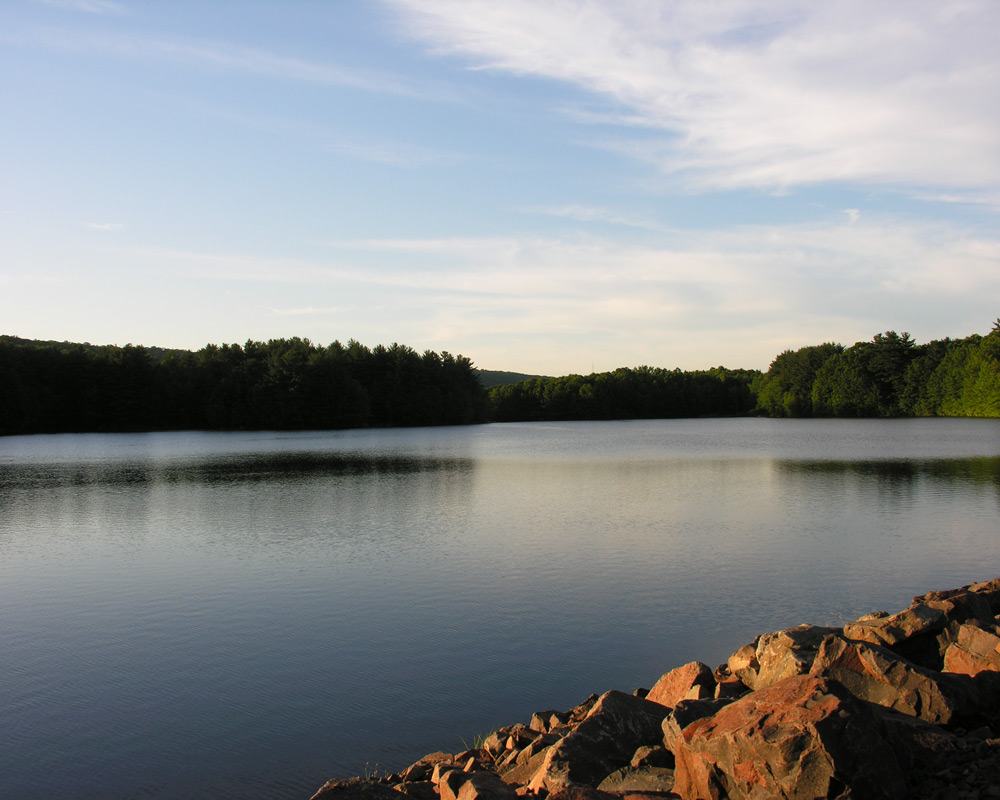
[743, 664]
[888, 631]
[975, 649]
[356, 789]
[474, 786]
[421, 770]
[657, 756]
[802, 737]
[580, 793]
[691, 682]
[519, 767]
[418, 790]
[919, 633]
[614, 728]
[880, 676]
[519, 736]
[544, 721]
[777, 655]
[990, 591]
[520, 773]
[639, 779]
[686, 712]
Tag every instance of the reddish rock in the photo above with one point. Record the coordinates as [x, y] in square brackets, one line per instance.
[541, 721]
[686, 712]
[803, 737]
[474, 786]
[880, 676]
[421, 770]
[356, 789]
[521, 772]
[693, 681]
[975, 649]
[614, 728]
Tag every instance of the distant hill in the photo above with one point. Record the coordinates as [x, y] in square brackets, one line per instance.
[493, 377]
[156, 354]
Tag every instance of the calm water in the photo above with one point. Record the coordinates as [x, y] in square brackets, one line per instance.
[248, 615]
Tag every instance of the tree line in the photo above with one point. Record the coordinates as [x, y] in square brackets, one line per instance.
[638, 393]
[48, 387]
[889, 376]
[293, 384]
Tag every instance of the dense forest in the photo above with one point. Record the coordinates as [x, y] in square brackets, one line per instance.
[889, 376]
[639, 393]
[48, 387]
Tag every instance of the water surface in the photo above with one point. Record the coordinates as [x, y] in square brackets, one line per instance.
[248, 614]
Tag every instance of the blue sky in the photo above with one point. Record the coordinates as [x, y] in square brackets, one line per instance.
[547, 187]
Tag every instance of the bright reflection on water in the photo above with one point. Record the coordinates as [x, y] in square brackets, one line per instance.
[247, 615]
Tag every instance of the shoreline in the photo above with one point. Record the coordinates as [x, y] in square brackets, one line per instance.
[902, 705]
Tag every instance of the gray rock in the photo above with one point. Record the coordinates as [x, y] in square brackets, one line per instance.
[638, 779]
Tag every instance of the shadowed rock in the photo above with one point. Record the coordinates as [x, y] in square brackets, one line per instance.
[919, 633]
[474, 786]
[356, 789]
[639, 779]
[657, 756]
[605, 741]
[880, 676]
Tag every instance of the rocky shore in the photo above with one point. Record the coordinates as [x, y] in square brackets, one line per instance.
[903, 705]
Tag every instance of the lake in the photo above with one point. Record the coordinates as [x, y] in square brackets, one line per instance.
[245, 615]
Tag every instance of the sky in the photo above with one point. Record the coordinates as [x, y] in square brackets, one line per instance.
[554, 187]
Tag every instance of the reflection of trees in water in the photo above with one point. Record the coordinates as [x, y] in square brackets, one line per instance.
[228, 469]
[904, 474]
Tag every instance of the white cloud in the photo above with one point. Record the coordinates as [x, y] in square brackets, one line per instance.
[551, 305]
[105, 226]
[767, 95]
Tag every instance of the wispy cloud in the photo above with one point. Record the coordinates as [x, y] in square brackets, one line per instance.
[104, 226]
[736, 296]
[592, 214]
[88, 6]
[210, 54]
[744, 294]
[768, 95]
[308, 311]
[326, 138]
